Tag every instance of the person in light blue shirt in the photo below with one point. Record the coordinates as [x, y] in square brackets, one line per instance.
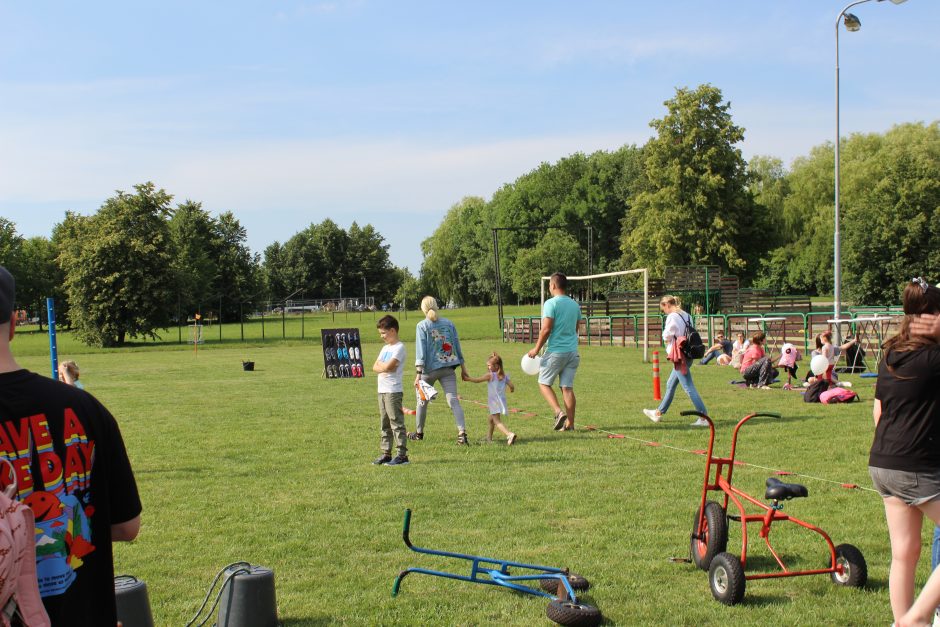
[559, 335]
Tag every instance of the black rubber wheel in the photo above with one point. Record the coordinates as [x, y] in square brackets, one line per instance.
[574, 614]
[578, 583]
[854, 569]
[713, 538]
[726, 578]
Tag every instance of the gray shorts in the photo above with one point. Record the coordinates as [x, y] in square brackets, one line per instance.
[914, 488]
[561, 365]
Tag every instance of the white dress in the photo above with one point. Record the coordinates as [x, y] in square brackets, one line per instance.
[496, 393]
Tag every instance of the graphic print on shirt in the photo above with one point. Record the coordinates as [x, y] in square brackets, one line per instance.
[443, 345]
[56, 489]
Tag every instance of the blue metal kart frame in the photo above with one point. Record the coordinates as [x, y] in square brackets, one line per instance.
[481, 573]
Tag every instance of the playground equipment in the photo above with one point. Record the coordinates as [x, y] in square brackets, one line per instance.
[726, 572]
[556, 583]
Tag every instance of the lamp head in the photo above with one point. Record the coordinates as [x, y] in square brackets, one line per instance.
[895, 1]
[852, 23]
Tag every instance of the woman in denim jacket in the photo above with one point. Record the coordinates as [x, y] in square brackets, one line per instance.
[437, 356]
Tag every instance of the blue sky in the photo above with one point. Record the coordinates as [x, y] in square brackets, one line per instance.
[389, 112]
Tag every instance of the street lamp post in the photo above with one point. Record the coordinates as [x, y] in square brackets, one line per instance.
[852, 24]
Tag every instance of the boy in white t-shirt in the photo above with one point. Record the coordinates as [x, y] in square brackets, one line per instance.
[389, 366]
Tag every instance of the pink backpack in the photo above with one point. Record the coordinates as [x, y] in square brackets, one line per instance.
[837, 395]
[19, 588]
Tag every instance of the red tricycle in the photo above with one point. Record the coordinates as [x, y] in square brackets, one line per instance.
[709, 538]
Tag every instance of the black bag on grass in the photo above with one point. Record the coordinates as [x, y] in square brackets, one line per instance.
[815, 390]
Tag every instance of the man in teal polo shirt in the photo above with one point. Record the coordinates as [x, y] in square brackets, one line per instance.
[559, 336]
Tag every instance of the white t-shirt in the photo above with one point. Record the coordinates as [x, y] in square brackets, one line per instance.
[391, 381]
[674, 327]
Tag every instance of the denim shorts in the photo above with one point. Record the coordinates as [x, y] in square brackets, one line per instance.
[561, 365]
[914, 488]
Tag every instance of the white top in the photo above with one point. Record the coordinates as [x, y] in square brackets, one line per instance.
[391, 381]
[496, 393]
[674, 327]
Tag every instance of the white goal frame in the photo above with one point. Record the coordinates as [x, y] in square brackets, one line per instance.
[646, 297]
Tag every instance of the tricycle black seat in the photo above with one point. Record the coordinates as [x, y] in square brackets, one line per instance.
[779, 491]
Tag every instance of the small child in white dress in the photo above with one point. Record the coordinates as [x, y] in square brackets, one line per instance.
[497, 381]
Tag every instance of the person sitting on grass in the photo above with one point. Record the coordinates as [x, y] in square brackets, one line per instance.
[497, 381]
[390, 365]
[756, 368]
[719, 348]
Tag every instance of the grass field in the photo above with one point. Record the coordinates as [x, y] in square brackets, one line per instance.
[273, 467]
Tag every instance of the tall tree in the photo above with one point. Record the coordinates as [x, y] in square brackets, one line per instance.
[40, 278]
[11, 246]
[118, 267]
[195, 265]
[694, 207]
[237, 279]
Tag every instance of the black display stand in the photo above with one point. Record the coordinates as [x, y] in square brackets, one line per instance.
[342, 354]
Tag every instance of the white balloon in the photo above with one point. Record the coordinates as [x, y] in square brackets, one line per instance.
[531, 365]
[819, 364]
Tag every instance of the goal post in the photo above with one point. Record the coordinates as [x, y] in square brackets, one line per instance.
[646, 297]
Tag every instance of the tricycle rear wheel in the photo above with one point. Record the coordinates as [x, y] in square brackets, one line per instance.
[578, 583]
[854, 569]
[712, 539]
[726, 579]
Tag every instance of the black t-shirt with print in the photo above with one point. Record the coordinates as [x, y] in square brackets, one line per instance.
[72, 469]
[908, 433]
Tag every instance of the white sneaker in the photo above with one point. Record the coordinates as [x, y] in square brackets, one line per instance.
[653, 414]
[844, 384]
[701, 422]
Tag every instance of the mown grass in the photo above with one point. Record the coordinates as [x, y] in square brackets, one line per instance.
[272, 467]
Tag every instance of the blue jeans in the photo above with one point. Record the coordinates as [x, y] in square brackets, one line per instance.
[686, 380]
[711, 355]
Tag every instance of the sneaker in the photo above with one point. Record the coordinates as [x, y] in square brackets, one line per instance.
[510, 439]
[415, 436]
[560, 419]
[701, 422]
[844, 384]
[384, 459]
[462, 438]
[653, 414]
[400, 460]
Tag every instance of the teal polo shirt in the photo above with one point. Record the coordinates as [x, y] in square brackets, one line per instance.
[565, 314]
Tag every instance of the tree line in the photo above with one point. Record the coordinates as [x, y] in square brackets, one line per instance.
[685, 197]
[140, 265]
[688, 197]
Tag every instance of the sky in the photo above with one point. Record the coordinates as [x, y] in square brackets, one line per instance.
[388, 113]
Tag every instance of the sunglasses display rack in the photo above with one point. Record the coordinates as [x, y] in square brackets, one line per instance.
[342, 354]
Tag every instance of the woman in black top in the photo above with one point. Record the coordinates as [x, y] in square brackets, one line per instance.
[904, 462]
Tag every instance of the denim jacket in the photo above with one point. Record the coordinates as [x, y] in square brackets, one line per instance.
[437, 345]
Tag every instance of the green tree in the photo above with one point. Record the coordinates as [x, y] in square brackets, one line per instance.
[237, 278]
[368, 253]
[11, 246]
[556, 252]
[118, 266]
[195, 266]
[39, 278]
[694, 206]
[891, 211]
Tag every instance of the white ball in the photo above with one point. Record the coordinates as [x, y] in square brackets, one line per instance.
[819, 364]
[531, 365]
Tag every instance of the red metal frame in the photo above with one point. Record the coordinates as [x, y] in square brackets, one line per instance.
[724, 468]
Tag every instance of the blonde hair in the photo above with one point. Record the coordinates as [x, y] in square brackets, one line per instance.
[669, 299]
[72, 368]
[496, 359]
[429, 307]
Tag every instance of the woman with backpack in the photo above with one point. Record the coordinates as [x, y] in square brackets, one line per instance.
[676, 329]
[904, 462]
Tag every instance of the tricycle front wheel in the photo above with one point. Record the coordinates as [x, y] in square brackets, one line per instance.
[854, 569]
[712, 538]
[573, 614]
